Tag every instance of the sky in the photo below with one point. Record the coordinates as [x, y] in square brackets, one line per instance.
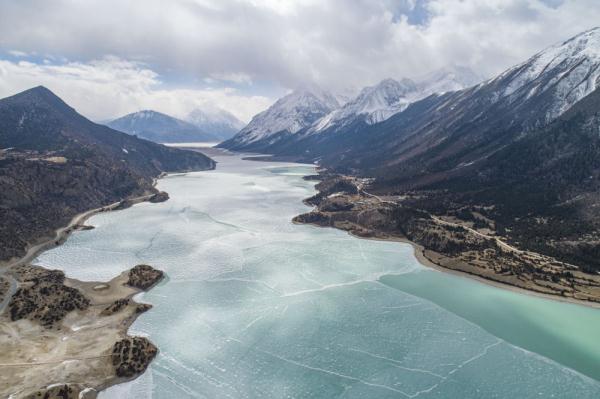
[107, 58]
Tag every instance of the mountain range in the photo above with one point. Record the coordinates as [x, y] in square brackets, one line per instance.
[521, 148]
[309, 111]
[55, 163]
[202, 125]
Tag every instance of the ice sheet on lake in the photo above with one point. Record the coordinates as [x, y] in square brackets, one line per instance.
[255, 306]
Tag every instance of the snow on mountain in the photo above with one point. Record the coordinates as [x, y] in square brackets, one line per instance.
[215, 121]
[452, 78]
[378, 103]
[289, 114]
[567, 71]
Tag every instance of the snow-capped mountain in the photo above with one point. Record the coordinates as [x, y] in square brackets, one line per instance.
[377, 103]
[525, 97]
[215, 121]
[161, 128]
[288, 115]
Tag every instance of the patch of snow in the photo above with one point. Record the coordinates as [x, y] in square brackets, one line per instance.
[22, 120]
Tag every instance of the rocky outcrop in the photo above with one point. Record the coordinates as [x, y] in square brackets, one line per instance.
[144, 277]
[115, 307]
[66, 391]
[43, 297]
[131, 356]
[81, 324]
[332, 185]
[161, 196]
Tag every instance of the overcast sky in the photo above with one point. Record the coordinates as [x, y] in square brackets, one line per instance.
[110, 57]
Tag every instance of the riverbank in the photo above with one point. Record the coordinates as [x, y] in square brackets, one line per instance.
[445, 246]
[77, 223]
[67, 337]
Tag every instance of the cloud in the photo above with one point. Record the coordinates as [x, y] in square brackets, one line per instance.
[263, 47]
[110, 87]
[17, 53]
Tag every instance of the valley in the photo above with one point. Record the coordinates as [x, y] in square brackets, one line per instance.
[412, 210]
[499, 179]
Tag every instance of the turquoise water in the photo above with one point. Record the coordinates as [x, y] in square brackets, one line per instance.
[257, 307]
[564, 332]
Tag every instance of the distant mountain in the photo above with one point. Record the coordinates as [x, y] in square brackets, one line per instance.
[161, 128]
[55, 163]
[216, 122]
[288, 115]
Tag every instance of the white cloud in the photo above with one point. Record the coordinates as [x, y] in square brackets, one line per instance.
[286, 43]
[17, 53]
[110, 87]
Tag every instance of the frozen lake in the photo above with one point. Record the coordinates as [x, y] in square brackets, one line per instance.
[257, 307]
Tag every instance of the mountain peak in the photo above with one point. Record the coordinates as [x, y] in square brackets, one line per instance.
[449, 78]
[215, 120]
[37, 95]
[41, 97]
[310, 91]
[288, 115]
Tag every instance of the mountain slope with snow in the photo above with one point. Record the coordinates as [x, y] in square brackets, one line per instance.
[452, 78]
[374, 103]
[215, 121]
[377, 103]
[288, 115]
[161, 128]
[567, 71]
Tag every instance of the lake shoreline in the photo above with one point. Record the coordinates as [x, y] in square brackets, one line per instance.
[116, 292]
[339, 214]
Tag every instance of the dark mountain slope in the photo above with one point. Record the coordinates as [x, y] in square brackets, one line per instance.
[542, 191]
[54, 163]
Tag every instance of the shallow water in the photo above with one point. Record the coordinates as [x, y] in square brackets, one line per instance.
[257, 307]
